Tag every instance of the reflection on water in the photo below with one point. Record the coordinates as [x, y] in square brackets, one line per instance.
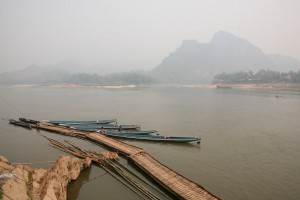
[74, 186]
[250, 145]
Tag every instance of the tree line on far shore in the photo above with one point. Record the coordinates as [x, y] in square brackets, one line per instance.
[139, 78]
[262, 76]
[126, 78]
[61, 77]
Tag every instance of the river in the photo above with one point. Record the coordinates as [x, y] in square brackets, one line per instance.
[250, 146]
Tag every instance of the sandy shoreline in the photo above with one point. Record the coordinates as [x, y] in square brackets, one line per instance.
[272, 86]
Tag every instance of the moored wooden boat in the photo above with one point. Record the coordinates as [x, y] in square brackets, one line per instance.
[29, 121]
[155, 138]
[115, 126]
[74, 122]
[95, 127]
[111, 130]
[90, 126]
[148, 132]
[19, 123]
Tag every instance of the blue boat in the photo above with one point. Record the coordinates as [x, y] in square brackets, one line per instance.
[112, 129]
[73, 122]
[108, 132]
[97, 127]
[155, 138]
[106, 126]
[91, 126]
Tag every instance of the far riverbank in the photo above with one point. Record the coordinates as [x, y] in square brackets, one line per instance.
[264, 86]
[269, 86]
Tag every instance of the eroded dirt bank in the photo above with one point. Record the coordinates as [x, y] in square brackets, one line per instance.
[23, 182]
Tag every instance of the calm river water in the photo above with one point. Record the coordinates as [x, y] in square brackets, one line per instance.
[250, 146]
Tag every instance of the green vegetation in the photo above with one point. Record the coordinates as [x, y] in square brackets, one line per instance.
[42, 76]
[1, 193]
[29, 185]
[129, 78]
[29, 194]
[262, 76]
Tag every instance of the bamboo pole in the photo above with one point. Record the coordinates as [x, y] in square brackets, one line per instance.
[108, 163]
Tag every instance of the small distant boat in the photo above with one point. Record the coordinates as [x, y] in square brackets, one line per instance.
[29, 121]
[19, 123]
[129, 127]
[223, 87]
[75, 122]
[155, 138]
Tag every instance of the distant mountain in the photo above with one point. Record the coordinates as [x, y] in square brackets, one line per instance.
[70, 65]
[195, 62]
[34, 74]
[48, 74]
[73, 66]
[191, 62]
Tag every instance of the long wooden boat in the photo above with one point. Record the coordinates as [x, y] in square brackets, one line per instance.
[155, 137]
[130, 132]
[91, 129]
[29, 121]
[116, 131]
[91, 126]
[19, 123]
[74, 122]
[97, 127]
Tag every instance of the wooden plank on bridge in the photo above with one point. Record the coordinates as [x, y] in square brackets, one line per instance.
[177, 184]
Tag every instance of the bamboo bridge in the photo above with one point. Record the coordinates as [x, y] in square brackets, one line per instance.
[180, 186]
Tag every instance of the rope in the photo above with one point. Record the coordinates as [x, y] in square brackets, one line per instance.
[12, 106]
[33, 163]
[95, 177]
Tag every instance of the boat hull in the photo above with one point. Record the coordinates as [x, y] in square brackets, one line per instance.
[155, 138]
[20, 123]
[129, 132]
[107, 126]
[79, 122]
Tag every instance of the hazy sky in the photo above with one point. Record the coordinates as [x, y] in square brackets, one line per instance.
[137, 34]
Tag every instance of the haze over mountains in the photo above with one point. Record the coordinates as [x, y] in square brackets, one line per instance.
[191, 62]
[195, 62]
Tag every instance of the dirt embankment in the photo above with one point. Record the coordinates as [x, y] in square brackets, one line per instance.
[23, 182]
